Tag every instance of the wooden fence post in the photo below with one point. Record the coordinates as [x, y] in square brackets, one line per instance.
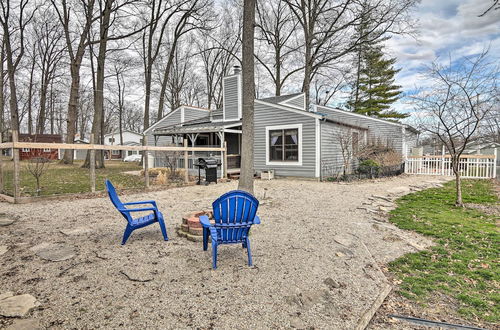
[92, 164]
[146, 163]
[15, 155]
[224, 167]
[186, 161]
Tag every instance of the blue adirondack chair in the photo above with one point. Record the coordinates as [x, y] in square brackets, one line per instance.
[234, 213]
[136, 223]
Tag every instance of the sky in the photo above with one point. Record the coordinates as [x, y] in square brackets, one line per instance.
[445, 28]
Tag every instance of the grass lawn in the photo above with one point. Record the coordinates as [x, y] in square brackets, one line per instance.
[66, 179]
[464, 264]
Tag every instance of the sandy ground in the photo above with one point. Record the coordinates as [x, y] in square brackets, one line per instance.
[317, 260]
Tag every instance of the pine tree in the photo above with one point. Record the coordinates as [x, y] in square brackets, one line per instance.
[376, 88]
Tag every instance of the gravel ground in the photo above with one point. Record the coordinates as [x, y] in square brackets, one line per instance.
[317, 258]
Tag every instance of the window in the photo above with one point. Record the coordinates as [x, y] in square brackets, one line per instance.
[47, 150]
[111, 140]
[284, 144]
[25, 150]
[115, 152]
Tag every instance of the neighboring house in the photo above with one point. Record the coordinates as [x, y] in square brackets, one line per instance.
[129, 139]
[287, 138]
[49, 153]
[79, 154]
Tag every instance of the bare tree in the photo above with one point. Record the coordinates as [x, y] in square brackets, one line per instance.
[49, 53]
[218, 51]
[37, 166]
[71, 27]
[114, 18]
[462, 94]
[328, 28]
[2, 86]
[277, 34]
[193, 16]
[14, 18]
[247, 170]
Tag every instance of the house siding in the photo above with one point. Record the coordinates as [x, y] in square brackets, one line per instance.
[232, 95]
[194, 113]
[386, 133]
[296, 102]
[268, 115]
[331, 159]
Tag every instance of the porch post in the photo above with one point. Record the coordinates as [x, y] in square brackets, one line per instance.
[186, 160]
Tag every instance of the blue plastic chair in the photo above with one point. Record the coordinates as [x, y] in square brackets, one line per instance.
[234, 213]
[136, 223]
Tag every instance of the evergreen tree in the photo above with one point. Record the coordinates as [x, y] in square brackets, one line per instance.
[376, 90]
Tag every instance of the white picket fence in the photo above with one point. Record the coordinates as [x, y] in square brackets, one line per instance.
[470, 166]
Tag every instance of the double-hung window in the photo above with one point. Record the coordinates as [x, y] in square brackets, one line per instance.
[284, 144]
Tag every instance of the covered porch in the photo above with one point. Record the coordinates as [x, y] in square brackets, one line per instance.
[220, 134]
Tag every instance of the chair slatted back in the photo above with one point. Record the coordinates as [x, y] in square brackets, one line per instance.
[113, 196]
[234, 213]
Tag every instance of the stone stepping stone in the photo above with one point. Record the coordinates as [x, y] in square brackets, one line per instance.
[76, 231]
[3, 249]
[6, 219]
[53, 252]
[16, 306]
[24, 324]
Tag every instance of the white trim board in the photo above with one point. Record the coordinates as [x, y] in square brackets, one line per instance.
[318, 148]
[277, 127]
[288, 108]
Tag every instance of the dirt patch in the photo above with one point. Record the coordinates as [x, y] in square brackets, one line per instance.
[301, 277]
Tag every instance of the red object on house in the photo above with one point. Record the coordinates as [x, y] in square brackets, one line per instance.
[28, 153]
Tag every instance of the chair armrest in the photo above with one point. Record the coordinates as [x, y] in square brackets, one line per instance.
[205, 222]
[256, 220]
[141, 202]
[141, 209]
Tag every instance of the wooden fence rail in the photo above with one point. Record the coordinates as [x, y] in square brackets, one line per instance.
[15, 145]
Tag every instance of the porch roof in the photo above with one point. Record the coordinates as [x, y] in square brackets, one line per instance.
[202, 125]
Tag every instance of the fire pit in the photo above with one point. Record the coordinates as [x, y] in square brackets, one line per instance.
[191, 227]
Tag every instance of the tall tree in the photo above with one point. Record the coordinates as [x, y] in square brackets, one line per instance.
[193, 16]
[49, 51]
[113, 15]
[328, 26]
[14, 18]
[277, 34]
[71, 26]
[377, 90]
[247, 152]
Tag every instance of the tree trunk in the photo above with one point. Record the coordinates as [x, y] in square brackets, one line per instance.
[248, 90]
[164, 83]
[458, 183]
[2, 99]
[30, 97]
[74, 96]
[306, 86]
[97, 122]
[40, 127]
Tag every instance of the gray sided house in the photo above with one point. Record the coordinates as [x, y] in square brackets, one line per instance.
[288, 139]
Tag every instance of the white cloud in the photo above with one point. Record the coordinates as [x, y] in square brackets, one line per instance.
[446, 28]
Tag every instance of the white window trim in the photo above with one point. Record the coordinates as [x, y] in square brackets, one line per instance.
[272, 128]
[47, 150]
[115, 152]
[25, 149]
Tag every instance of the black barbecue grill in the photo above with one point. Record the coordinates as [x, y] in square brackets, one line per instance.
[210, 166]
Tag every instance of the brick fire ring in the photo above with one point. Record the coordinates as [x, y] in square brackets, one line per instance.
[191, 227]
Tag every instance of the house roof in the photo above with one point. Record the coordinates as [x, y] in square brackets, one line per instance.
[280, 99]
[410, 128]
[117, 133]
[131, 143]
